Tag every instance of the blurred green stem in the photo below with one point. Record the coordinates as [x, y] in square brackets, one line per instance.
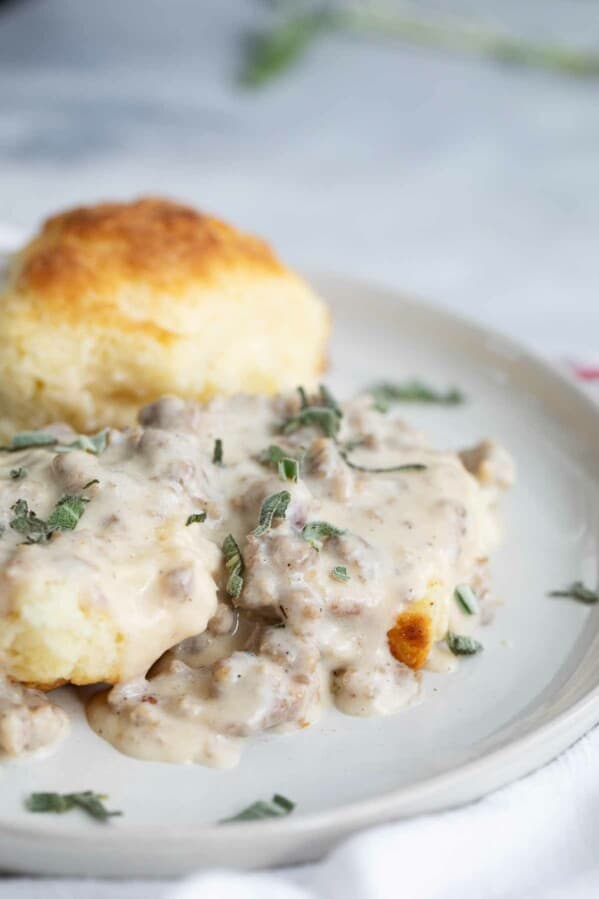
[273, 51]
[474, 39]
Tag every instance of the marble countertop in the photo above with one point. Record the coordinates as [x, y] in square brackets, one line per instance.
[472, 185]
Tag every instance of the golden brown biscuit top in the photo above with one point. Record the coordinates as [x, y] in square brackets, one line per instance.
[83, 256]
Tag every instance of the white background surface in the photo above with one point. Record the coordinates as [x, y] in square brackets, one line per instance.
[473, 185]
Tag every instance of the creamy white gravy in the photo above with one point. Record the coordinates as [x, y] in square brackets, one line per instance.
[296, 639]
[28, 720]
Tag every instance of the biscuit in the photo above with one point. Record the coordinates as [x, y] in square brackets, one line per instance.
[114, 305]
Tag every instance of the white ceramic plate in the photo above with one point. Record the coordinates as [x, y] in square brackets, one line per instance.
[528, 696]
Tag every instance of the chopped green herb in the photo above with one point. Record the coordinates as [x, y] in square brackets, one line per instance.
[277, 47]
[579, 592]
[466, 598]
[26, 522]
[89, 443]
[64, 517]
[461, 645]
[67, 512]
[314, 416]
[340, 573]
[325, 415]
[386, 394]
[234, 565]
[314, 532]
[93, 443]
[17, 474]
[27, 439]
[273, 455]
[90, 802]
[217, 454]
[196, 517]
[328, 400]
[267, 53]
[20, 507]
[350, 445]
[278, 807]
[303, 397]
[274, 506]
[287, 467]
[385, 469]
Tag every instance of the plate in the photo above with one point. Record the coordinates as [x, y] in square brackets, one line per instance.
[527, 697]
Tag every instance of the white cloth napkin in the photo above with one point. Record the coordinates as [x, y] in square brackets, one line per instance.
[536, 839]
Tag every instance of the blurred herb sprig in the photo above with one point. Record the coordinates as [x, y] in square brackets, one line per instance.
[274, 49]
[295, 27]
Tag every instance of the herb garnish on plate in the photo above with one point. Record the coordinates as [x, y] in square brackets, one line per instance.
[90, 802]
[278, 807]
[579, 592]
[466, 598]
[385, 394]
[461, 645]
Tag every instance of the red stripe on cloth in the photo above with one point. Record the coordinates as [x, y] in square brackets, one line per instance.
[586, 372]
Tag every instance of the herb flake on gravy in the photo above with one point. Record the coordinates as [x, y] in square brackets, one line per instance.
[89, 443]
[315, 579]
[196, 518]
[217, 453]
[64, 517]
